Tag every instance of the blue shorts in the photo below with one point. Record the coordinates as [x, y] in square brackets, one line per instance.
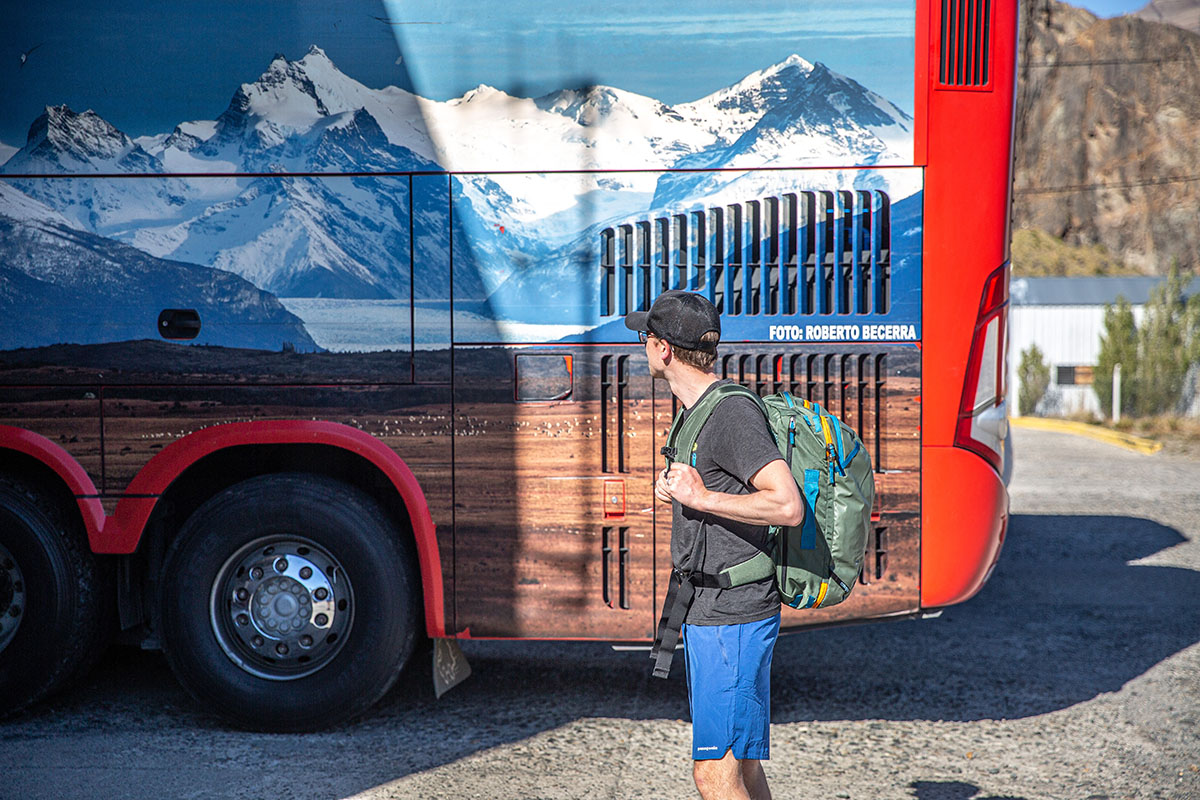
[729, 688]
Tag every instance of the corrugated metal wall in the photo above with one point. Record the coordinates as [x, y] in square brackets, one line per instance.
[1067, 336]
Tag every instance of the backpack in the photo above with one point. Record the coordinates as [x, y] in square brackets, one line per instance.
[815, 564]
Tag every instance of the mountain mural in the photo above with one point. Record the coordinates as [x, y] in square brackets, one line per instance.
[261, 191]
[62, 284]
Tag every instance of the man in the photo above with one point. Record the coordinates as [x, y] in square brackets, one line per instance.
[721, 508]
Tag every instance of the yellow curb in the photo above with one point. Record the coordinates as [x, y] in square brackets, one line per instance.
[1137, 444]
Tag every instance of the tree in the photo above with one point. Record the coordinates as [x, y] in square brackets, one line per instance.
[1163, 345]
[1118, 345]
[1034, 376]
[1191, 329]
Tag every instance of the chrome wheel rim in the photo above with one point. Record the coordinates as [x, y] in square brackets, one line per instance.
[12, 597]
[281, 607]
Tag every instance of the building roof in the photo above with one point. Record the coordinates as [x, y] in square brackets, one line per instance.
[1087, 291]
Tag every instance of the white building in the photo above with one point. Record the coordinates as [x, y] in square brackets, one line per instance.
[1064, 317]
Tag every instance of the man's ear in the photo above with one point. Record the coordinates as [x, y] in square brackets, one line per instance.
[667, 352]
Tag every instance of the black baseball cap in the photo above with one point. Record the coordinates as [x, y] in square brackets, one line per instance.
[680, 317]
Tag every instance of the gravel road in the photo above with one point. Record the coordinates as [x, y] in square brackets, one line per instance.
[1074, 674]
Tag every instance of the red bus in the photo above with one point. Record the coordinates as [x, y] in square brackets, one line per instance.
[294, 380]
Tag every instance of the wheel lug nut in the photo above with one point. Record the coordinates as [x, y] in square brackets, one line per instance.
[281, 648]
[256, 573]
[242, 619]
[281, 565]
[306, 572]
[243, 595]
[257, 641]
[321, 619]
[321, 593]
[306, 641]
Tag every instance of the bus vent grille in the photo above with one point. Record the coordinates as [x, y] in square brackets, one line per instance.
[875, 560]
[966, 44]
[614, 388]
[851, 386]
[810, 252]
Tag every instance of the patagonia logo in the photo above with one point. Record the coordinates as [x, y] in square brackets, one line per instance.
[698, 749]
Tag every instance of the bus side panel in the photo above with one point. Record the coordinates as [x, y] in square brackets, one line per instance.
[554, 506]
[69, 416]
[876, 391]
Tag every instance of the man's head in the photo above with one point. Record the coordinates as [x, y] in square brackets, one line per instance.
[686, 321]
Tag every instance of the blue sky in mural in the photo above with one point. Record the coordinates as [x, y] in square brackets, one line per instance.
[146, 67]
[673, 52]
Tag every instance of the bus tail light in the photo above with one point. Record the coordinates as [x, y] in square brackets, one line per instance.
[983, 413]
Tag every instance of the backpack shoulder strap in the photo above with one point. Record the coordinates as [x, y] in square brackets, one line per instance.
[683, 435]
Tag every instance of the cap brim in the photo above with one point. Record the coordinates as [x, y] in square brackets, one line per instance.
[636, 320]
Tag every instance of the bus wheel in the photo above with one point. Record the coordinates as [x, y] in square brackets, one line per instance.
[289, 603]
[52, 624]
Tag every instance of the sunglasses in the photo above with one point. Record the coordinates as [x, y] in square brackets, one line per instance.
[643, 336]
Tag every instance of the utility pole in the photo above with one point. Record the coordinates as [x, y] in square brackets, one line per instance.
[1116, 396]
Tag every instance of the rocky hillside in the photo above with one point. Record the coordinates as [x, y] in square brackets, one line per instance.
[1108, 120]
[1181, 13]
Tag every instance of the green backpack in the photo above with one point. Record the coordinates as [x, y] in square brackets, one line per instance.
[817, 563]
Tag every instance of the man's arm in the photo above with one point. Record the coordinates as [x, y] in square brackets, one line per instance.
[775, 501]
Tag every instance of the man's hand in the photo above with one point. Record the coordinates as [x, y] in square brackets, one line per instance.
[681, 482]
[774, 501]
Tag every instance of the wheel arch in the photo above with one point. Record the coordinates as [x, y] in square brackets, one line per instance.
[36, 458]
[189, 471]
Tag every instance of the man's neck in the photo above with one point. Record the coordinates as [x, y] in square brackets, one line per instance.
[688, 384]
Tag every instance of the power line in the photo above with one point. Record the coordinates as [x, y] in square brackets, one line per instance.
[1092, 187]
[1111, 62]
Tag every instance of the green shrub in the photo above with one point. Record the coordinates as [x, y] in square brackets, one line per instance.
[1034, 375]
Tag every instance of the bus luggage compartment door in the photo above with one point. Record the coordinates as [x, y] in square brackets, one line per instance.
[553, 492]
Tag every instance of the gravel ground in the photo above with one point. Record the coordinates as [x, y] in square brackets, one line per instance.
[1073, 674]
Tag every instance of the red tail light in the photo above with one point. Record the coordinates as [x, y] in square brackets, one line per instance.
[983, 413]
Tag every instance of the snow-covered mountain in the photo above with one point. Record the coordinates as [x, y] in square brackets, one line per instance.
[61, 141]
[62, 284]
[608, 150]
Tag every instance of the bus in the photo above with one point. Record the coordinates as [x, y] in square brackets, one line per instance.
[311, 339]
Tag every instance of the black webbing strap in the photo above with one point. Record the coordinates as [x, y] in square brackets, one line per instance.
[675, 608]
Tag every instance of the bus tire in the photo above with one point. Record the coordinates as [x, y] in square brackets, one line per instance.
[289, 603]
[52, 597]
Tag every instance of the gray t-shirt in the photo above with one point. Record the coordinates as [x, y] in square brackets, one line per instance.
[733, 445]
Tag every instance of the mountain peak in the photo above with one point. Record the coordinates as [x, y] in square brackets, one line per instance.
[482, 92]
[317, 62]
[62, 140]
[793, 60]
[85, 135]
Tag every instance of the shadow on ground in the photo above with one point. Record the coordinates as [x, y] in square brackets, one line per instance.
[1063, 619]
[952, 790]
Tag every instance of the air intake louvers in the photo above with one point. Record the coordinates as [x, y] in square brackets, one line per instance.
[966, 44]
[810, 252]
